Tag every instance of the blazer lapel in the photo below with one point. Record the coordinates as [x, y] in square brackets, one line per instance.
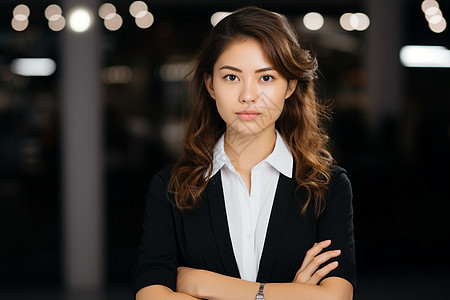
[283, 198]
[219, 224]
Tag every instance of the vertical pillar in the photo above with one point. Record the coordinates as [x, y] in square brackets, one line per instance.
[81, 135]
[385, 71]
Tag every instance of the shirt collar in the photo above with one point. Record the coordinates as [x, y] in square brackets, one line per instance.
[219, 157]
[280, 158]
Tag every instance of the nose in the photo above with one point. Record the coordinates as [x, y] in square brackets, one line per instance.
[249, 92]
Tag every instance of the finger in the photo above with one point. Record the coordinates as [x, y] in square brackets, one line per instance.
[306, 274]
[311, 253]
[317, 261]
[322, 272]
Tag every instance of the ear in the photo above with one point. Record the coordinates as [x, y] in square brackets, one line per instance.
[292, 84]
[209, 85]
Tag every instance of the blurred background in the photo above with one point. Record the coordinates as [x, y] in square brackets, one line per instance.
[91, 101]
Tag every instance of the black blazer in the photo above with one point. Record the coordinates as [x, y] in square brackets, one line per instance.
[201, 239]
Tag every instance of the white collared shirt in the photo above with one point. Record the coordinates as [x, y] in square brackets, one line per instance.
[248, 216]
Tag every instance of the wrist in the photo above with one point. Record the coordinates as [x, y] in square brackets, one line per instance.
[217, 286]
[190, 281]
[201, 283]
[206, 284]
[260, 294]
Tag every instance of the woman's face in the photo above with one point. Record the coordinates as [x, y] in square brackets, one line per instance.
[248, 91]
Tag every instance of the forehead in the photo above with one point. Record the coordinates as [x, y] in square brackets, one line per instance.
[248, 53]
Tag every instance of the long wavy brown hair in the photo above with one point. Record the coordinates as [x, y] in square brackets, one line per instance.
[300, 123]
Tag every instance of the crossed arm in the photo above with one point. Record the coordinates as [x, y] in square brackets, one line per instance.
[199, 284]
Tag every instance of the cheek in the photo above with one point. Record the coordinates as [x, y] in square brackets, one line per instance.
[224, 100]
[221, 107]
[224, 108]
[274, 102]
[278, 109]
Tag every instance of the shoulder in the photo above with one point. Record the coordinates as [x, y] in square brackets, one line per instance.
[339, 190]
[337, 170]
[339, 196]
[161, 177]
[158, 189]
[338, 177]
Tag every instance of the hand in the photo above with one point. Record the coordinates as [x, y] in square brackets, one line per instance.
[308, 272]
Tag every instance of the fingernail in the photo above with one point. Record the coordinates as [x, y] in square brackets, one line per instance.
[337, 251]
[334, 263]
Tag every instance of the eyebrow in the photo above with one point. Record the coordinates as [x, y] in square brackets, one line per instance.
[240, 71]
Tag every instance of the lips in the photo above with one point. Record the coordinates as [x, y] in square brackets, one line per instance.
[248, 114]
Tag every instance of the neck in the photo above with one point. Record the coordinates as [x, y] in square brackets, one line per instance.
[247, 150]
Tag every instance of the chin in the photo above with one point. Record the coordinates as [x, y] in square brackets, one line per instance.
[248, 128]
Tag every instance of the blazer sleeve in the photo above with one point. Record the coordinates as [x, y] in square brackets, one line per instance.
[157, 261]
[336, 224]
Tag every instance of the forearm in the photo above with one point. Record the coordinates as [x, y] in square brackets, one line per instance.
[278, 291]
[219, 287]
[160, 292]
[209, 285]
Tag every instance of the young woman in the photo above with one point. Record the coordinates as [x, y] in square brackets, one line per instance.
[255, 208]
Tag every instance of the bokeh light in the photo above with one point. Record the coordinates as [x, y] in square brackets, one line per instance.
[432, 11]
[117, 75]
[80, 20]
[438, 27]
[344, 21]
[113, 21]
[21, 9]
[57, 23]
[19, 25]
[136, 7]
[434, 16]
[20, 17]
[173, 72]
[429, 3]
[435, 19]
[313, 21]
[218, 16]
[144, 19]
[363, 21]
[52, 10]
[106, 9]
[357, 21]
[425, 56]
[437, 12]
[33, 66]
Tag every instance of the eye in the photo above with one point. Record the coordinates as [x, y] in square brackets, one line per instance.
[267, 78]
[231, 77]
